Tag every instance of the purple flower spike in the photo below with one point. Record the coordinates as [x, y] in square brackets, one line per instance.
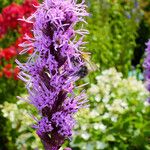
[146, 66]
[54, 66]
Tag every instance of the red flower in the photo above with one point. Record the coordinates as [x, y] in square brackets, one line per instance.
[30, 51]
[2, 26]
[21, 40]
[1, 74]
[8, 66]
[16, 71]
[28, 7]
[25, 27]
[2, 54]
[9, 52]
[9, 20]
[18, 41]
[11, 14]
[7, 73]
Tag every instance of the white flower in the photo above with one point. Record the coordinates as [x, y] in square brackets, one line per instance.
[94, 113]
[98, 98]
[118, 106]
[108, 106]
[99, 126]
[96, 126]
[106, 99]
[85, 135]
[12, 116]
[84, 127]
[146, 103]
[114, 118]
[101, 145]
[106, 115]
[102, 127]
[94, 89]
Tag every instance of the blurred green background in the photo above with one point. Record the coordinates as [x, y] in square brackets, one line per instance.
[118, 117]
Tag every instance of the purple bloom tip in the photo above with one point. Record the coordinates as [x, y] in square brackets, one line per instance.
[146, 66]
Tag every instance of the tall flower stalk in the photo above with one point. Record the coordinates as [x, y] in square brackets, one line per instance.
[54, 66]
[146, 66]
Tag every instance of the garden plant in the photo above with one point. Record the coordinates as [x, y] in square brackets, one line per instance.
[63, 87]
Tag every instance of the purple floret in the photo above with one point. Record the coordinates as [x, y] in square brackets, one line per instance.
[146, 66]
[50, 72]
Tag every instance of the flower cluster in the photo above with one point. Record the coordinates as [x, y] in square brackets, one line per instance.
[146, 66]
[55, 64]
[10, 15]
[18, 116]
[116, 103]
[9, 21]
[8, 72]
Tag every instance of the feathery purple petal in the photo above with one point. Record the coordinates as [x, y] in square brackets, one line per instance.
[146, 66]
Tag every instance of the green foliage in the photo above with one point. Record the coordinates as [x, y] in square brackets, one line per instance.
[9, 89]
[112, 25]
[118, 117]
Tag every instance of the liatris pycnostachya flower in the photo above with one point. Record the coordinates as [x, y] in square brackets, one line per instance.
[146, 66]
[54, 66]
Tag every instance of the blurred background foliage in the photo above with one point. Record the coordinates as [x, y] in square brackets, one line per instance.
[118, 116]
[113, 28]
